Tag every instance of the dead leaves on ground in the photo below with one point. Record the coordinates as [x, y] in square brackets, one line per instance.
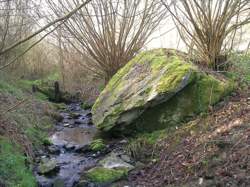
[214, 151]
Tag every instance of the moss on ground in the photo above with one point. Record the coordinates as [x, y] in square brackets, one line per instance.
[104, 175]
[13, 170]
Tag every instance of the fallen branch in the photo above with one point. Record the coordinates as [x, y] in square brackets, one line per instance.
[16, 105]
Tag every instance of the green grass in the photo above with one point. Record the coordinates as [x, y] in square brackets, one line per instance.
[142, 146]
[32, 119]
[240, 68]
[97, 145]
[34, 127]
[153, 137]
[13, 170]
[19, 88]
[10, 89]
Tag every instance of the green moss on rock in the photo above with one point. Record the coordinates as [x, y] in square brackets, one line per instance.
[192, 100]
[104, 175]
[156, 89]
[152, 77]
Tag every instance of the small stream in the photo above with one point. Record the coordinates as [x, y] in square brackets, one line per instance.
[66, 158]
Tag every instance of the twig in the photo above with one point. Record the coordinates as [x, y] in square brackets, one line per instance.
[16, 105]
[29, 48]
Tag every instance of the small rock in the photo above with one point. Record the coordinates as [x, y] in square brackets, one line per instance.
[47, 166]
[89, 115]
[53, 149]
[112, 161]
[201, 181]
[66, 125]
[69, 146]
[81, 148]
[123, 141]
[39, 153]
[102, 175]
[220, 105]
[234, 94]
[75, 115]
[70, 122]
[126, 158]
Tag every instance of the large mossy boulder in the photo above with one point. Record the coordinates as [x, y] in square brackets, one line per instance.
[156, 89]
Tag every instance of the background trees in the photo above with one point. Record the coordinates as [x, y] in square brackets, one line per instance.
[109, 33]
[16, 21]
[209, 27]
[90, 43]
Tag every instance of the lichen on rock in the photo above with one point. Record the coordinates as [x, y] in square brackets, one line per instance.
[151, 80]
[47, 166]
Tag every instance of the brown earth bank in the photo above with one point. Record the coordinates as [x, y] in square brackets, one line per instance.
[213, 150]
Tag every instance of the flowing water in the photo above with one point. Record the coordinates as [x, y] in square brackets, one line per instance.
[69, 142]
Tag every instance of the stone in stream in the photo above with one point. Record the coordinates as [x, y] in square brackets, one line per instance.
[75, 115]
[68, 121]
[69, 146]
[80, 121]
[126, 158]
[156, 89]
[103, 176]
[89, 114]
[53, 149]
[113, 161]
[82, 148]
[66, 124]
[108, 170]
[47, 166]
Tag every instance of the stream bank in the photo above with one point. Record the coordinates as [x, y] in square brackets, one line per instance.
[71, 160]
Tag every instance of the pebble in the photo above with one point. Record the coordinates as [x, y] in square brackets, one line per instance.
[66, 124]
[123, 141]
[54, 149]
[69, 146]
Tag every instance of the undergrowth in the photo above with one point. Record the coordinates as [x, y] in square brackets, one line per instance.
[144, 146]
[240, 68]
[13, 170]
[23, 129]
